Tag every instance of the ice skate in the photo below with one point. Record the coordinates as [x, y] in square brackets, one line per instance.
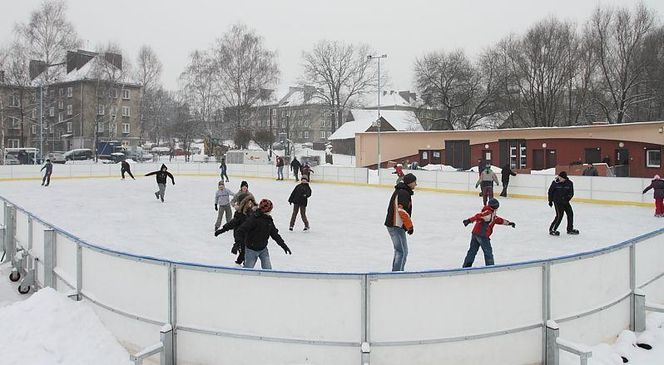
[573, 231]
[554, 233]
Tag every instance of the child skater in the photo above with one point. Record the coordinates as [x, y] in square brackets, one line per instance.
[481, 237]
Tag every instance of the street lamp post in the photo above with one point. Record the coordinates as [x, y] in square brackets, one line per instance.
[370, 57]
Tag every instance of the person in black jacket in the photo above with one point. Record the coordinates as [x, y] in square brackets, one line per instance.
[505, 174]
[245, 208]
[161, 176]
[398, 220]
[658, 185]
[561, 192]
[258, 227]
[299, 198]
[295, 166]
[124, 167]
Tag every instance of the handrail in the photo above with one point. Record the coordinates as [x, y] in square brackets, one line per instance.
[146, 352]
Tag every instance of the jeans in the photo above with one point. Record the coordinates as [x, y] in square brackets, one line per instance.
[251, 256]
[162, 191]
[295, 172]
[223, 209]
[487, 193]
[562, 208]
[224, 174]
[398, 236]
[280, 172]
[46, 179]
[659, 206]
[504, 192]
[476, 242]
[303, 211]
[127, 171]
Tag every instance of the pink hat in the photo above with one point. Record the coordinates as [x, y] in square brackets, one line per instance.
[657, 177]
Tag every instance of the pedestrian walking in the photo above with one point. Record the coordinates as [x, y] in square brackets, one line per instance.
[223, 168]
[398, 220]
[280, 167]
[48, 166]
[246, 207]
[295, 166]
[125, 168]
[657, 184]
[222, 204]
[161, 175]
[481, 236]
[560, 194]
[486, 181]
[256, 230]
[505, 174]
[299, 198]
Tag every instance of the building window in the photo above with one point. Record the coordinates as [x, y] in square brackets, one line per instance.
[114, 110]
[15, 123]
[100, 127]
[16, 101]
[51, 112]
[33, 115]
[69, 126]
[126, 127]
[126, 111]
[654, 158]
[61, 92]
[306, 134]
[114, 93]
[100, 110]
[70, 92]
[125, 94]
[322, 134]
[61, 104]
[113, 127]
[51, 94]
[522, 155]
[14, 143]
[70, 109]
[34, 129]
[61, 117]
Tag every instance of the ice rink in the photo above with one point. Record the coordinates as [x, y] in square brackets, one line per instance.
[347, 232]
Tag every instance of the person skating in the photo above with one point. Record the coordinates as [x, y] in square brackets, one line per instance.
[657, 184]
[125, 168]
[223, 168]
[280, 167]
[246, 207]
[398, 220]
[398, 170]
[222, 204]
[505, 174]
[299, 198]
[560, 194]
[241, 194]
[307, 171]
[256, 230]
[296, 166]
[486, 181]
[48, 166]
[161, 176]
[481, 236]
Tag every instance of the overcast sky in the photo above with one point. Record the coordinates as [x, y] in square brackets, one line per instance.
[404, 29]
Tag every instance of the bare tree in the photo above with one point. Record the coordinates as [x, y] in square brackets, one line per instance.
[148, 75]
[198, 89]
[16, 75]
[184, 126]
[340, 74]
[618, 40]
[264, 138]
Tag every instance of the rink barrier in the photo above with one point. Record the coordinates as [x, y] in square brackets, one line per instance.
[369, 343]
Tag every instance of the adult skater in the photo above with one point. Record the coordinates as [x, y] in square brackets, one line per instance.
[295, 166]
[398, 170]
[223, 168]
[561, 192]
[124, 167]
[161, 176]
[246, 207]
[486, 181]
[241, 194]
[307, 171]
[481, 236]
[298, 199]
[657, 184]
[280, 167]
[398, 221]
[590, 171]
[505, 174]
[258, 227]
[222, 204]
[47, 175]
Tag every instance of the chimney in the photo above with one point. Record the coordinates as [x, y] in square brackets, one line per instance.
[114, 59]
[36, 68]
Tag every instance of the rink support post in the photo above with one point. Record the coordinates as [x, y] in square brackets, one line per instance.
[552, 333]
[79, 272]
[166, 338]
[49, 258]
[632, 286]
[172, 314]
[639, 310]
[365, 347]
[10, 234]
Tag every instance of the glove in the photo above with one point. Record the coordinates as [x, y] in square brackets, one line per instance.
[286, 249]
[216, 207]
[466, 222]
[410, 231]
[512, 224]
[550, 204]
[234, 249]
[219, 231]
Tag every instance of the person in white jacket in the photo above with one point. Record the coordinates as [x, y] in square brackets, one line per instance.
[222, 204]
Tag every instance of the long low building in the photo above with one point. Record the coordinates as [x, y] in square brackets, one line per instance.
[631, 149]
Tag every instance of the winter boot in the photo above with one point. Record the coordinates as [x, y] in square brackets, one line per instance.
[306, 228]
[162, 199]
[290, 229]
[554, 233]
[573, 231]
[156, 195]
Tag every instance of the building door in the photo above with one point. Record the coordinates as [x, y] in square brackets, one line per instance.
[538, 159]
[621, 167]
[551, 159]
[593, 155]
[487, 155]
[435, 158]
[512, 152]
[457, 154]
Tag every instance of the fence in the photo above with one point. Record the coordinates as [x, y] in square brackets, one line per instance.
[232, 316]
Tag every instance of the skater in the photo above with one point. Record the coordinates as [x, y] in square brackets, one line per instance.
[295, 166]
[47, 175]
[398, 170]
[561, 192]
[246, 207]
[657, 184]
[307, 171]
[486, 180]
[481, 236]
[505, 174]
[298, 199]
[222, 204]
[280, 167]
[481, 165]
[398, 221]
[125, 168]
[590, 171]
[241, 194]
[223, 168]
[258, 227]
[161, 176]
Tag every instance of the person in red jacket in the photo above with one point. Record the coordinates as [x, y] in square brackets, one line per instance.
[657, 184]
[481, 237]
[398, 169]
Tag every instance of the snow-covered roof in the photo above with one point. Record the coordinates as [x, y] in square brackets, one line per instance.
[401, 120]
[97, 68]
[390, 99]
[298, 95]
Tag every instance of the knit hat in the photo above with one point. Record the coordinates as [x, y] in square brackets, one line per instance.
[244, 183]
[657, 177]
[409, 178]
[494, 203]
[265, 206]
[221, 182]
[563, 174]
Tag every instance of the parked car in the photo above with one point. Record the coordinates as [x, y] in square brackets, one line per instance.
[57, 157]
[78, 154]
[11, 160]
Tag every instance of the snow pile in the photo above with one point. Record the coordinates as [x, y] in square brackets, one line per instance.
[434, 167]
[49, 328]
[551, 171]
